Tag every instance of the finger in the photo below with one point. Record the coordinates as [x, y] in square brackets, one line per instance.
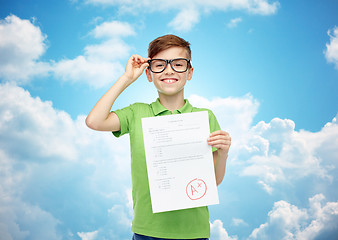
[145, 60]
[219, 137]
[223, 147]
[219, 132]
[136, 58]
[225, 136]
[139, 58]
[219, 142]
[144, 65]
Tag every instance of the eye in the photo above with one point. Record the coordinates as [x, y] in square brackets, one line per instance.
[158, 64]
[179, 63]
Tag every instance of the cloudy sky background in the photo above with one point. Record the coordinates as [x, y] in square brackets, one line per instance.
[268, 70]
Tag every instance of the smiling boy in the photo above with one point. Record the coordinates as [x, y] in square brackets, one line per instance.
[168, 67]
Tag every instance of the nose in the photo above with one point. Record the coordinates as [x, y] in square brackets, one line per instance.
[168, 69]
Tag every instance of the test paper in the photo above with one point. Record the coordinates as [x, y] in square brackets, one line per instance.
[179, 161]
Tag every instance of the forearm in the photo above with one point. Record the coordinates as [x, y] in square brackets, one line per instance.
[100, 117]
[220, 166]
[222, 141]
[100, 112]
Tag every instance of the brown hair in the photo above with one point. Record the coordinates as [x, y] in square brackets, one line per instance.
[165, 42]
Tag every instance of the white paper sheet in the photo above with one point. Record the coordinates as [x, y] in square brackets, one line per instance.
[179, 161]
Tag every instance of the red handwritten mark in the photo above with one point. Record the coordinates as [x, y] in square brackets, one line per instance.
[196, 189]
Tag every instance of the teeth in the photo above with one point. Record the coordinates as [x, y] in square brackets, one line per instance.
[169, 81]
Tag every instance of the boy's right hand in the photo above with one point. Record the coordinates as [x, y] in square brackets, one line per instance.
[135, 67]
[100, 117]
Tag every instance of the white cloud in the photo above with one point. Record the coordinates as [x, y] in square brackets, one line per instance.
[21, 45]
[185, 20]
[118, 223]
[241, 109]
[20, 220]
[99, 65]
[238, 222]
[120, 216]
[189, 11]
[266, 186]
[277, 153]
[58, 164]
[331, 52]
[113, 29]
[262, 7]
[108, 51]
[91, 72]
[234, 22]
[88, 235]
[218, 232]
[35, 126]
[289, 222]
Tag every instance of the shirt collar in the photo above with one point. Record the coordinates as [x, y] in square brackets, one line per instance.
[158, 108]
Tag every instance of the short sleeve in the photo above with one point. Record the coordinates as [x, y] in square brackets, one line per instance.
[214, 126]
[125, 116]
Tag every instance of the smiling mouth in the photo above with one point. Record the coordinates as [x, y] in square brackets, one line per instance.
[169, 80]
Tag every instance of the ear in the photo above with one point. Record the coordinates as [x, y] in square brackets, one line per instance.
[148, 73]
[190, 72]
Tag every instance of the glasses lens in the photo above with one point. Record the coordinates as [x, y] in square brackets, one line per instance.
[157, 65]
[180, 65]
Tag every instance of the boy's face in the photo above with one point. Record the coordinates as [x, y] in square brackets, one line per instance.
[169, 82]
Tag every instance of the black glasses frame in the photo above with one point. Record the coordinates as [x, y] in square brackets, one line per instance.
[170, 62]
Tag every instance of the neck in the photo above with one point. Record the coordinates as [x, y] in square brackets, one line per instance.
[172, 103]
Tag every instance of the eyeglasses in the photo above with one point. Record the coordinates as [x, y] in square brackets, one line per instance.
[179, 65]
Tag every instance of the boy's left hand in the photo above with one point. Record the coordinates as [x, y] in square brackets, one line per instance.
[220, 140]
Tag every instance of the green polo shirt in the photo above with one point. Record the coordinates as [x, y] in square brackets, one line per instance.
[181, 224]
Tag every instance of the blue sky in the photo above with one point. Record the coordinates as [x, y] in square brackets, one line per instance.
[268, 70]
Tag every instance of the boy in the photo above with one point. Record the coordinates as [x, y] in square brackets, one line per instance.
[169, 67]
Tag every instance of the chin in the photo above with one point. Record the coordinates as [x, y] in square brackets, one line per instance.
[169, 93]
